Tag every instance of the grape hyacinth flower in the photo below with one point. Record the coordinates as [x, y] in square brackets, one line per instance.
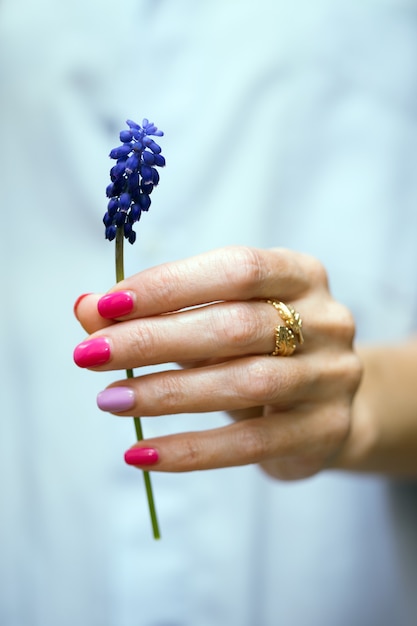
[133, 178]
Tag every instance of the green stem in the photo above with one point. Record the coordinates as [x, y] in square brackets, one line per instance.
[120, 274]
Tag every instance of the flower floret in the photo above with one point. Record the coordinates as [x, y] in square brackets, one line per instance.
[133, 176]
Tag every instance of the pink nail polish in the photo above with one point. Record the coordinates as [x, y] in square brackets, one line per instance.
[92, 352]
[141, 456]
[116, 399]
[115, 304]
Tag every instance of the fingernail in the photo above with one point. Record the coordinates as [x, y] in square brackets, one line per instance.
[77, 302]
[115, 399]
[115, 304]
[92, 352]
[141, 456]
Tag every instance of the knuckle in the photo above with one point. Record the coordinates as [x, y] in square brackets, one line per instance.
[334, 321]
[249, 265]
[344, 327]
[346, 323]
[338, 426]
[170, 393]
[240, 326]
[338, 377]
[253, 442]
[258, 385]
[317, 272]
[166, 283]
[354, 372]
[142, 338]
[191, 451]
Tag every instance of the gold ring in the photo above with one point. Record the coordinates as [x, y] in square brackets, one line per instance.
[284, 341]
[290, 317]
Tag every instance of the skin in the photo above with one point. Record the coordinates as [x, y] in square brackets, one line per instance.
[327, 405]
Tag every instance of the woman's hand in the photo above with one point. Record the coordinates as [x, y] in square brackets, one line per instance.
[292, 414]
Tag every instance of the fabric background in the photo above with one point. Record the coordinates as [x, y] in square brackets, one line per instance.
[289, 124]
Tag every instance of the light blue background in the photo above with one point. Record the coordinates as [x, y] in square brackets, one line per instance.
[287, 123]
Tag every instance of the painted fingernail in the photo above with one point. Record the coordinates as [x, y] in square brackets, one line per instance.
[77, 302]
[92, 352]
[115, 304]
[141, 456]
[115, 399]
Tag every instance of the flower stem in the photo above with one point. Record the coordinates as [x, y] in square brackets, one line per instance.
[129, 373]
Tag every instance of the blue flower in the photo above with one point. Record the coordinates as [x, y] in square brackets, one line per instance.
[133, 178]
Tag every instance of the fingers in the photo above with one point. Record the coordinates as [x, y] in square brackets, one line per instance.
[86, 312]
[210, 312]
[235, 273]
[278, 441]
[237, 444]
[233, 385]
[220, 330]
[211, 333]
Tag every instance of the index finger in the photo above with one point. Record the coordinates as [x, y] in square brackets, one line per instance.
[232, 273]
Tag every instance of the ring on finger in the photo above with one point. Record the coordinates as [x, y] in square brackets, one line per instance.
[290, 317]
[284, 342]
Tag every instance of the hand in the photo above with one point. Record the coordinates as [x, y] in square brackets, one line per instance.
[292, 414]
